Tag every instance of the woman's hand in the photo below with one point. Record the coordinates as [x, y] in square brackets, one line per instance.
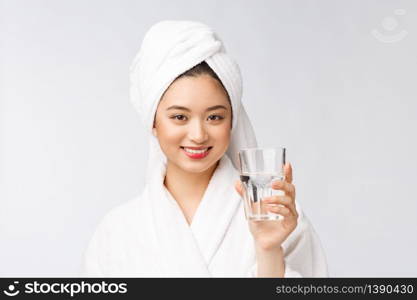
[270, 234]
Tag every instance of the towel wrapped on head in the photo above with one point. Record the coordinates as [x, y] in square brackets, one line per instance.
[169, 49]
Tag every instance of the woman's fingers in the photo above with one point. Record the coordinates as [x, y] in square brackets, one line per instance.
[287, 201]
[288, 172]
[287, 187]
[239, 187]
[281, 210]
[277, 199]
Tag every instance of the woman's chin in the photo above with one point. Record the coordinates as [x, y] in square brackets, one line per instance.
[197, 166]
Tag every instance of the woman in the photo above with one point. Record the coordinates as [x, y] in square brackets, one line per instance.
[189, 220]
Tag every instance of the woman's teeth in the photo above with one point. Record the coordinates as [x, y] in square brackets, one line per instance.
[196, 151]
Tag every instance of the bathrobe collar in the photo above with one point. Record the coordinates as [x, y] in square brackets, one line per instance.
[189, 249]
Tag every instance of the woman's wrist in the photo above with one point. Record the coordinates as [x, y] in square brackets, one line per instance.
[270, 261]
[261, 247]
[269, 250]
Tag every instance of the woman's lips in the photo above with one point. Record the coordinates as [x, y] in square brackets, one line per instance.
[197, 155]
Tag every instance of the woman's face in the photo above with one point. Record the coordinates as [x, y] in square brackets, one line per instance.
[193, 112]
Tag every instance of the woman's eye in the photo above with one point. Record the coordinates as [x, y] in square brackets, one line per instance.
[178, 117]
[216, 117]
[183, 118]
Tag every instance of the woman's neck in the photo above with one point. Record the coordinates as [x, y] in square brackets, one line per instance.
[187, 188]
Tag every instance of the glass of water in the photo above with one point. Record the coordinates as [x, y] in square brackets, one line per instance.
[259, 167]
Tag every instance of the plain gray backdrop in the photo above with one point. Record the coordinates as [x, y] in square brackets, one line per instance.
[333, 81]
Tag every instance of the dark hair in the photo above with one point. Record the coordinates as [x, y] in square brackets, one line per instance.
[203, 69]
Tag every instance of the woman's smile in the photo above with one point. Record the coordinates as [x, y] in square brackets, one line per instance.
[196, 154]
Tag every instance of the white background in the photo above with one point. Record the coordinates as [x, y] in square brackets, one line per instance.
[315, 80]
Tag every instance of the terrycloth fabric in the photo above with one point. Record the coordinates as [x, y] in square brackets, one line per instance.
[149, 236]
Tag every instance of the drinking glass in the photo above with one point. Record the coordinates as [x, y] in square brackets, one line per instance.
[259, 167]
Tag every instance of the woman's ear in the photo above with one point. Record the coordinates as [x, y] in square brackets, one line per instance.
[153, 128]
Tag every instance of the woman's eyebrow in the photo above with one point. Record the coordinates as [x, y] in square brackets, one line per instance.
[187, 109]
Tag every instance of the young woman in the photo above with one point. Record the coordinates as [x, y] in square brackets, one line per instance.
[189, 220]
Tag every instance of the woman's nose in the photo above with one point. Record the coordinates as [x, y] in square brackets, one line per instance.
[197, 132]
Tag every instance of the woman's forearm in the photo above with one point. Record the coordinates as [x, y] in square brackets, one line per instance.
[270, 262]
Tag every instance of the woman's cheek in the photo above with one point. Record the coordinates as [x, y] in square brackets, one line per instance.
[174, 141]
[170, 137]
[222, 137]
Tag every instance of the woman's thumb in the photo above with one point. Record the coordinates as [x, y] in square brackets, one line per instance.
[238, 187]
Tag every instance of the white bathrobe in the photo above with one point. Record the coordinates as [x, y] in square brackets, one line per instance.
[149, 236]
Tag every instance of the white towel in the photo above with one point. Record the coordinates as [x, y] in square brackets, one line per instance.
[170, 48]
[149, 236]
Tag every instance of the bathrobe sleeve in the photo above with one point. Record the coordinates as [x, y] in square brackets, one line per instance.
[303, 253]
[94, 255]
